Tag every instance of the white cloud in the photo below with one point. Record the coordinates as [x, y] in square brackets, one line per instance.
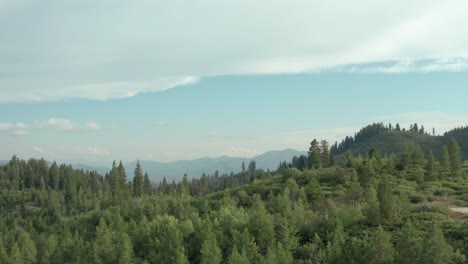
[66, 125]
[406, 66]
[91, 125]
[42, 151]
[57, 50]
[158, 124]
[14, 129]
[59, 124]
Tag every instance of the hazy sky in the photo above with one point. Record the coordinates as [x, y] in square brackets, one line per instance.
[94, 81]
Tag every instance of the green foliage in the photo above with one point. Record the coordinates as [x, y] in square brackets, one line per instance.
[455, 158]
[380, 247]
[377, 209]
[210, 252]
[444, 161]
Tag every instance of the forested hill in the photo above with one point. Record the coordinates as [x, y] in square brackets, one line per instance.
[390, 139]
[372, 209]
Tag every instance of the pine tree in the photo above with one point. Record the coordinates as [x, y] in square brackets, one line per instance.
[324, 153]
[113, 179]
[380, 247]
[372, 210]
[138, 181]
[409, 245]
[103, 244]
[148, 188]
[261, 225]
[386, 200]
[444, 161]
[314, 155]
[283, 255]
[27, 247]
[435, 247]
[122, 177]
[237, 258]
[210, 252]
[455, 158]
[431, 168]
[124, 249]
[15, 255]
[3, 253]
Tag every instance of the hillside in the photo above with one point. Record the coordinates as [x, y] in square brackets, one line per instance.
[367, 212]
[393, 141]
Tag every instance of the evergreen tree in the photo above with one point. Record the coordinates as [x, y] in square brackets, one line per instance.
[237, 258]
[409, 245]
[27, 247]
[444, 161]
[349, 159]
[113, 178]
[148, 188]
[324, 153]
[455, 158]
[54, 176]
[138, 181]
[3, 253]
[372, 210]
[103, 244]
[386, 200]
[122, 177]
[283, 255]
[252, 166]
[15, 255]
[431, 168]
[314, 155]
[380, 247]
[210, 252]
[261, 225]
[435, 247]
[124, 249]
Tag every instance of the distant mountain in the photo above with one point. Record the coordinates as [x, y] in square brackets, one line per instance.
[195, 168]
[100, 170]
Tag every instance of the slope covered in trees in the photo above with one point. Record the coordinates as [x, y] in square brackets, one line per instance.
[370, 209]
[390, 139]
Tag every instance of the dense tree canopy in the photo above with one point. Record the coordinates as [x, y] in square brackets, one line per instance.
[367, 209]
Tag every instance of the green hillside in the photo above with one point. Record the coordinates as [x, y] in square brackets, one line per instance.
[388, 141]
[373, 209]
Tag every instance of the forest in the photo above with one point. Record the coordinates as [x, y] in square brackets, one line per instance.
[338, 204]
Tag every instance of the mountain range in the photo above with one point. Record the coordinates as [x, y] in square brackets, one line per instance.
[195, 168]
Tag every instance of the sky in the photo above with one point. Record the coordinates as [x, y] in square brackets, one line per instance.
[93, 81]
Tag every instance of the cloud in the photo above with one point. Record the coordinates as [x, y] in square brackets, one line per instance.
[158, 124]
[91, 125]
[102, 52]
[56, 124]
[66, 125]
[42, 151]
[407, 66]
[14, 129]
[59, 124]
